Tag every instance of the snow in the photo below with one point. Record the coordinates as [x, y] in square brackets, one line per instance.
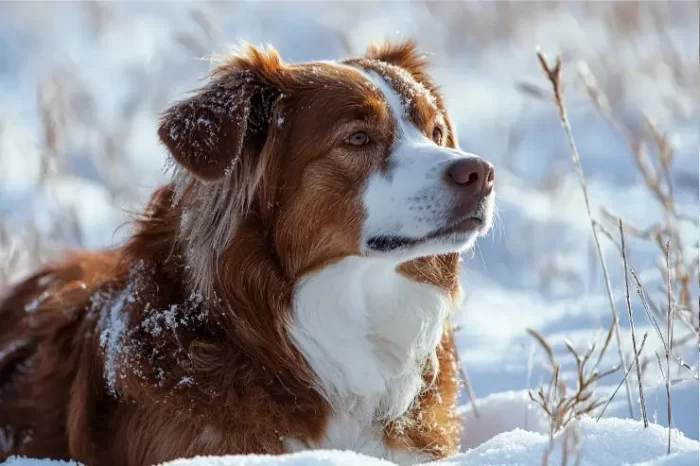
[103, 72]
[501, 412]
[610, 442]
[18, 461]
[318, 458]
[113, 325]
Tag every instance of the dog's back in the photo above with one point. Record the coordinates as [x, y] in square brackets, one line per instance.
[45, 355]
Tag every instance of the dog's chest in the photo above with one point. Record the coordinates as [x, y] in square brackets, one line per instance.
[369, 334]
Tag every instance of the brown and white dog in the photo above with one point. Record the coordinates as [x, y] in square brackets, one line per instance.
[290, 289]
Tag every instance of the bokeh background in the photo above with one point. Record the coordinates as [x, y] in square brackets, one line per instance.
[82, 85]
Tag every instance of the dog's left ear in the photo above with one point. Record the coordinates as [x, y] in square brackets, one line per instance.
[405, 55]
[220, 131]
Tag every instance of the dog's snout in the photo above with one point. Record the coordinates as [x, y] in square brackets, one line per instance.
[473, 176]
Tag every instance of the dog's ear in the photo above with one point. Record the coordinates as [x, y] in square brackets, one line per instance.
[220, 130]
[405, 55]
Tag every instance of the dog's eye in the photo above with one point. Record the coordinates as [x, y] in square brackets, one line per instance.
[437, 135]
[359, 138]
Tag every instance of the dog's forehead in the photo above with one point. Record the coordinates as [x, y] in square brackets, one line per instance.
[358, 71]
[408, 98]
[321, 73]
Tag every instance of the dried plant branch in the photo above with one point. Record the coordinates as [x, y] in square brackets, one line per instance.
[572, 444]
[561, 405]
[468, 387]
[669, 338]
[631, 318]
[648, 233]
[636, 356]
[646, 303]
[544, 344]
[464, 375]
[554, 76]
[667, 378]
[659, 183]
[608, 339]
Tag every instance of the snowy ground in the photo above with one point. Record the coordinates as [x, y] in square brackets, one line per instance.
[609, 442]
[98, 75]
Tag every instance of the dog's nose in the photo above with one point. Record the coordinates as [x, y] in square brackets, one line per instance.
[473, 176]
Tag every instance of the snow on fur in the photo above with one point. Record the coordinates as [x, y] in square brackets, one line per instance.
[113, 324]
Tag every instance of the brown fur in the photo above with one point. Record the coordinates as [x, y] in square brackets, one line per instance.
[217, 375]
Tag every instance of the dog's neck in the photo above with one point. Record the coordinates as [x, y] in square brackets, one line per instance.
[369, 333]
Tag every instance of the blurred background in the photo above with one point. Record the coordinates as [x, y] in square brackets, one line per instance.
[82, 85]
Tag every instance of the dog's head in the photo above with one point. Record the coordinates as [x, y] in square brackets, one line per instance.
[328, 159]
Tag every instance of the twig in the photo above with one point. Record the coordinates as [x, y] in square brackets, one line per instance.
[608, 339]
[553, 413]
[669, 348]
[465, 378]
[554, 76]
[544, 344]
[560, 405]
[641, 347]
[468, 388]
[647, 309]
[572, 444]
[659, 183]
[528, 377]
[634, 336]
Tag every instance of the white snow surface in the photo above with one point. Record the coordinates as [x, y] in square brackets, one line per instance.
[610, 442]
[100, 74]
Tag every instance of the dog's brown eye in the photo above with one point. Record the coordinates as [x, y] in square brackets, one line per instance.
[437, 135]
[359, 138]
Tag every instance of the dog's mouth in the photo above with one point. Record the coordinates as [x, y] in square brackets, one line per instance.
[459, 228]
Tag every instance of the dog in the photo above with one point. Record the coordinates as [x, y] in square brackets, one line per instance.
[290, 288]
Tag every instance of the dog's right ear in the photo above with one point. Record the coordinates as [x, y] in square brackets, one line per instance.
[220, 130]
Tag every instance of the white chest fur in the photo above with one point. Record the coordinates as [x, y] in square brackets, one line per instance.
[367, 332]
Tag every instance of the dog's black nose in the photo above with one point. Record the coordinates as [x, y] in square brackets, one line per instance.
[473, 176]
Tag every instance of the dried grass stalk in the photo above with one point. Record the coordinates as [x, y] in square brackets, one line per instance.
[669, 347]
[636, 357]
[561, 405]
[554, 76]
[631, 317]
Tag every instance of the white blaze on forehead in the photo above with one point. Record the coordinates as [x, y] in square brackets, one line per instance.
[404, 126]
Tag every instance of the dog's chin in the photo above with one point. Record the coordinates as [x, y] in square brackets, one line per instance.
[455, 237]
